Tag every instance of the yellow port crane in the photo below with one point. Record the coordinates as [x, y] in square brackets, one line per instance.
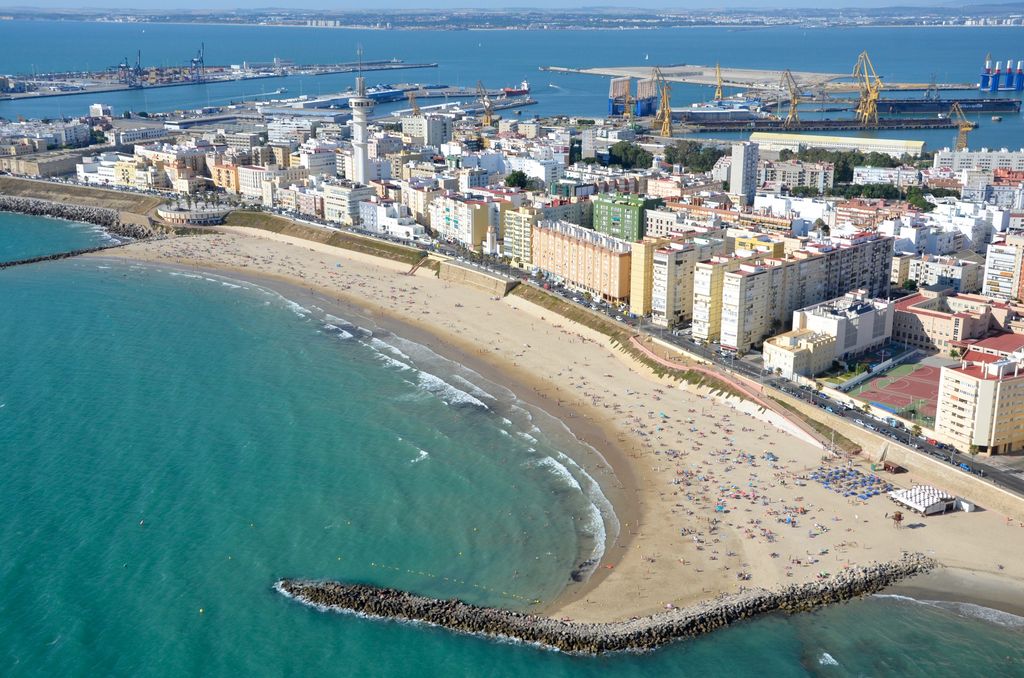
[627, 102]
[870, 88]
[664, 115]
[718, 82]
[787, 83]
[488, 117]
[963, 125]
[411, 95]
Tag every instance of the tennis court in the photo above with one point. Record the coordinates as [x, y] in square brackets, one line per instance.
[909, 391]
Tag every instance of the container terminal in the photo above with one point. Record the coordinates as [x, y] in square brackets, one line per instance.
[772, 100]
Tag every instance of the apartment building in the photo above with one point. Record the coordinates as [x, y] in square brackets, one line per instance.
[459, 219]
[341, 201]
[1003, 265]
[583, 259]
[981, 404]
[672, 277]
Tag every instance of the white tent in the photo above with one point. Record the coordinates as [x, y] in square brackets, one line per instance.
[924, 499]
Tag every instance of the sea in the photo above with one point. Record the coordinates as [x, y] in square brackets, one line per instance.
[173, 442]
[503, 58]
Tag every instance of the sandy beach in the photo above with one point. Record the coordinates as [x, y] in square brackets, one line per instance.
[710, 492]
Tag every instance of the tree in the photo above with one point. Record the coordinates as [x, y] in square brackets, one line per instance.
[821, 226]
[916, 430]
[909, 285]
[628, 156]
[696, 157]
[517, 179]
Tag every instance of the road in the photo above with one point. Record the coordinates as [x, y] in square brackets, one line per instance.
[1011, 481]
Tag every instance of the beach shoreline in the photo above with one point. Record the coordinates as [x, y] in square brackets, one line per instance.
[620, 488]
[652, 564]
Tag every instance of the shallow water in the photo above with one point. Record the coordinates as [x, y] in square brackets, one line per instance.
[172, 443]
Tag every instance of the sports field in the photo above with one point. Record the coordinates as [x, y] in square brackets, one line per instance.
[909, 391]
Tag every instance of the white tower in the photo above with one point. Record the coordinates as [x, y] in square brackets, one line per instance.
[361, 108]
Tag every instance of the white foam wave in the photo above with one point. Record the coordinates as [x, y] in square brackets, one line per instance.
[961, 609]
[559, 470]
[423, 454]
[827, 660]
[337, 331]
[447, 392]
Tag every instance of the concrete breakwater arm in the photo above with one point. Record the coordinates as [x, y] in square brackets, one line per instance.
[644, 633]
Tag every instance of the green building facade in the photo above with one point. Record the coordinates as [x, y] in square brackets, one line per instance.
[622, 216]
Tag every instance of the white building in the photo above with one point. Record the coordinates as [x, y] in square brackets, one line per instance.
[427, 130]
[743, 171]
[983, 159]
[387, 217]
[1003, 268]
[891, 176]
[341, 201]
[672, 278]
[361, 107]
[857, 322]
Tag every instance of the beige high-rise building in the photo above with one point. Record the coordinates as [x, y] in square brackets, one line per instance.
[708, 277]
[517, 233]
[672, 278]
[981, 404]
[584, 259]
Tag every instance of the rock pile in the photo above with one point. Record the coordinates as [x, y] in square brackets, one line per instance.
[642, 633]
[107, 218]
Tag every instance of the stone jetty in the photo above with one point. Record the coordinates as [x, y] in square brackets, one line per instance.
[107, 218]
[642, 633]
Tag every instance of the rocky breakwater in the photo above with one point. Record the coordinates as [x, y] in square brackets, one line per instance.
[643, 633]
[107, 218]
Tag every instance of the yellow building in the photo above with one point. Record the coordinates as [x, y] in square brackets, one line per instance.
[642, 274]
[760, 243]
[517, 234]
[900, 269]
[226, 177]
[799, 352]
[583, 258]
[981, 404]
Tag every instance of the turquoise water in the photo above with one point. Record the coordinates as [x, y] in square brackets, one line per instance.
[501, 58]
[174, 442]
[24, 237]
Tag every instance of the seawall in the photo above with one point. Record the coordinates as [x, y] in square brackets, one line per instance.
[489, 282]
[643, 633]
[107, 218]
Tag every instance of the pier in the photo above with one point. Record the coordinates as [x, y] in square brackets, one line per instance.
[753, 78]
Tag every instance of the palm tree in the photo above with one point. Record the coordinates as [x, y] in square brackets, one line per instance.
[916, 430]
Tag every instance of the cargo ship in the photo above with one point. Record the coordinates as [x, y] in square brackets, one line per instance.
[969, 105]
[522, 90]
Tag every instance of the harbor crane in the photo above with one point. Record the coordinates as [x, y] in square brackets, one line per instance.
[787, 83]
[485, 100]
[870, 88]
[197, 66]
[718, 82]
[130, 75]
[411, 96]
[963, 126]
[664, 115]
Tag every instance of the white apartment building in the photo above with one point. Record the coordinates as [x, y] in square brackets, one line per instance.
[962, 275]
[341, 201]
[983, 159]
[427, 130]
[251, 178]
[459, 219]
[1003, 264]
[892, 176]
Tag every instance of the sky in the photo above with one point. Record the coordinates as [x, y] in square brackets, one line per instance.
[445, 4]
